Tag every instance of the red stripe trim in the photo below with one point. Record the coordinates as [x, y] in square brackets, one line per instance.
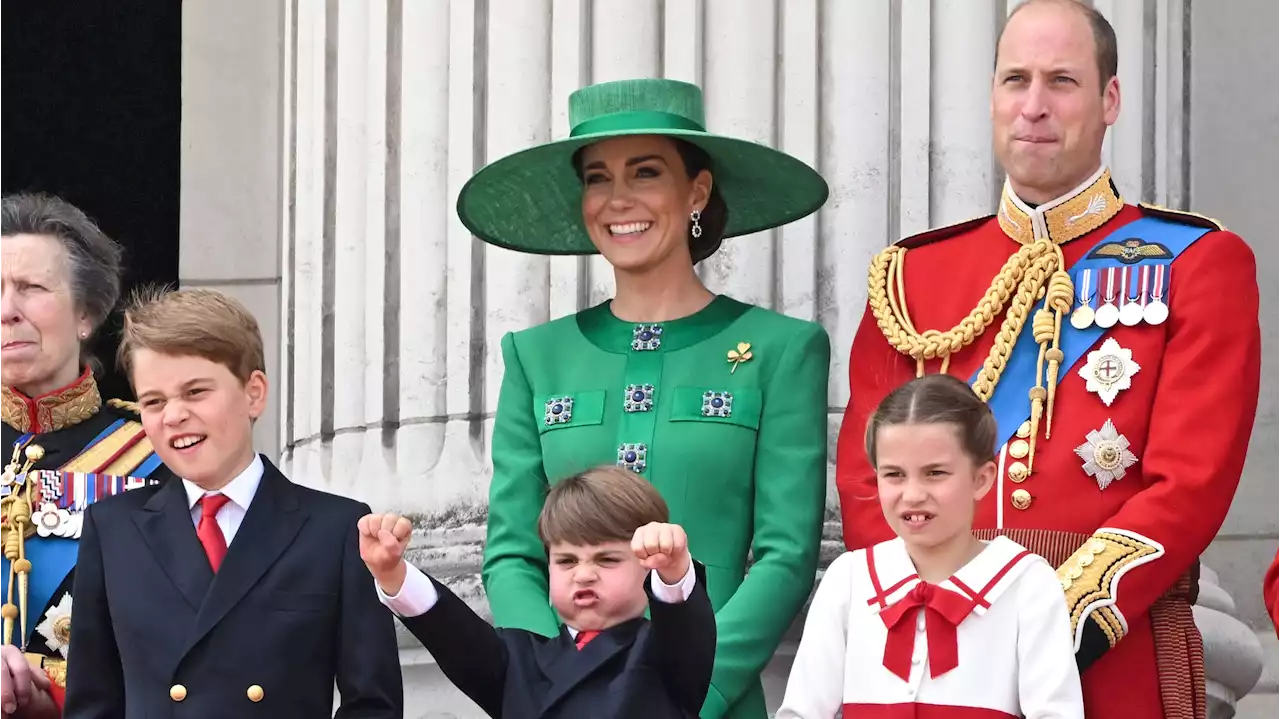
[880, 598]
[875, 578]
[920, 711]
[1000, 574]
[980, 598]
[137, 437]
[977, 598]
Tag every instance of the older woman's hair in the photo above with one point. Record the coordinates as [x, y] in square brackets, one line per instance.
[94, 259]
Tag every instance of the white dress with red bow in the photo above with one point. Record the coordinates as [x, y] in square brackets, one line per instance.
[993, 641]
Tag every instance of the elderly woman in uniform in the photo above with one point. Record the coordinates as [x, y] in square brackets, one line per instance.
[64, 446]
[720, 404]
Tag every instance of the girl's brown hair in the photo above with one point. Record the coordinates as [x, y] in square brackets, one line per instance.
[937, 399]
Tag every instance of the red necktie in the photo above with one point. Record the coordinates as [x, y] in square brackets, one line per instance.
[210, 534]
[584, 637]
[943, 612]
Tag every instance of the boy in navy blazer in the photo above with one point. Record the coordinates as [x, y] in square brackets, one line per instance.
[230, 592]
[611, 555]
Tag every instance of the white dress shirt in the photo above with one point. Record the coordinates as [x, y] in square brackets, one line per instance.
[239, 490]
[417, 595]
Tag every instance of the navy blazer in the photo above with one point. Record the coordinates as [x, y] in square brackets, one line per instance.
[650, 669]
[292, 609]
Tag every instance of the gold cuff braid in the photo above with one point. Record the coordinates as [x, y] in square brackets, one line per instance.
[1089, 575]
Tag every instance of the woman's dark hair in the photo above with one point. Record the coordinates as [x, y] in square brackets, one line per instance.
[938, 399]
[94, 259]
[715, 216]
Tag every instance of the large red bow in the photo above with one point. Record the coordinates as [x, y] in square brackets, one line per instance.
[943, 612]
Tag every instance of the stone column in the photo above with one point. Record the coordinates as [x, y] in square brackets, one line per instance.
[392, 313]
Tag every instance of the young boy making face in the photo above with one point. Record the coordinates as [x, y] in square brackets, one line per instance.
[198, 414]
[231, 586]
[611, 554]
[593, 587]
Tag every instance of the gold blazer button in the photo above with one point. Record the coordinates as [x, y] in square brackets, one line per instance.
[177, 692]
[254, 693]
[1021, 499]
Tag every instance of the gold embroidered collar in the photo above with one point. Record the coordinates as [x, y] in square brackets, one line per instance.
[1073, 215]
[56, 410]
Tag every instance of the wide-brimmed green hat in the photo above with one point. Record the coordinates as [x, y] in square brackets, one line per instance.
[531, 201]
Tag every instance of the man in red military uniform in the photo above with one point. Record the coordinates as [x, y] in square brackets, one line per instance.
[1118, 347]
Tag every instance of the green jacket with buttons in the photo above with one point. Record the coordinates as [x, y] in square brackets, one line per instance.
[737, 449]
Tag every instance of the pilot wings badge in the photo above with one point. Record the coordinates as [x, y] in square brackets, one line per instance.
[1132, 251]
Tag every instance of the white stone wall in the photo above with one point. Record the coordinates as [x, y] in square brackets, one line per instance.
[325, 141]
[392, 312]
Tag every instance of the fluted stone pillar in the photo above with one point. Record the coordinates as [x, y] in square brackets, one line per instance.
[392, 313]
[1232, 657]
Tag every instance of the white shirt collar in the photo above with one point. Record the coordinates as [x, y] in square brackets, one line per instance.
[239, 490]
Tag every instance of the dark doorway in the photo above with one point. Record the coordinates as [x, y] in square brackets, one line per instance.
[92, 98]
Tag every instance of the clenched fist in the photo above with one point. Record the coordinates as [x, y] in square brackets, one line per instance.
[663, 547]
[383, 539]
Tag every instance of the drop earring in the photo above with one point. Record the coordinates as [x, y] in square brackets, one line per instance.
[696, 230]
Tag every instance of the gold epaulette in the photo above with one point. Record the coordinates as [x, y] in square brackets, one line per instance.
[126, 405]
[940, 233]
[1183, 216]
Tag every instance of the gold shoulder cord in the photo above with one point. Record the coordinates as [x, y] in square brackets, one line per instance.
[125, 405]
[1032, 273]
[17, 526]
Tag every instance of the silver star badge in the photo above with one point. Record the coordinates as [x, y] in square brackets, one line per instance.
[1106, 455]
[56, 627]
[1109, 370]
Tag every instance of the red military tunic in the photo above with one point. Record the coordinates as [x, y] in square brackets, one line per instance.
[1186, 415]
[58, 688]
[1271, 592]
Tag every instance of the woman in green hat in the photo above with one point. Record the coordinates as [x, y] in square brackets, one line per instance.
[720, 404]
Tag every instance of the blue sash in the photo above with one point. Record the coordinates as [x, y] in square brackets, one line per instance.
[52, 558]
[1009, 402]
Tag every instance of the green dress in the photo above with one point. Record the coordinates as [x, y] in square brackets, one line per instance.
[737, 449]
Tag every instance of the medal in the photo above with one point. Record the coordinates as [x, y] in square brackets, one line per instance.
[1082, 316]
[1156, 311]
[1131, 310]
[1108, 370]
[1108, 314]
[1106, 455]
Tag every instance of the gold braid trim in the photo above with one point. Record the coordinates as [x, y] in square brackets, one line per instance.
[1194, 218]
[1035, 271]
[1090, 575]
[56, 410]
[125, 405]
[56, 669]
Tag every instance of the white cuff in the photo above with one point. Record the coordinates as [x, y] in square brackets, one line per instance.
[417, 595]
[671, 593]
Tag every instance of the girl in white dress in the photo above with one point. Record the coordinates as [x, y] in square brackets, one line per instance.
[936, 623]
